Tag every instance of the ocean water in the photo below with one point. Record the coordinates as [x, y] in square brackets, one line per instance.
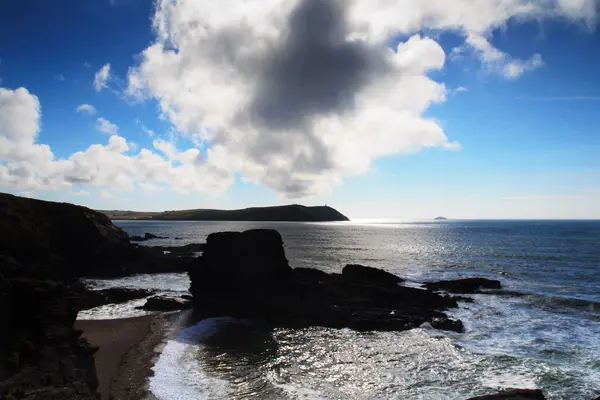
[542, 330]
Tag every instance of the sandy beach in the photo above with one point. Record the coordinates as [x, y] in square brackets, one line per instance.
[127, 348]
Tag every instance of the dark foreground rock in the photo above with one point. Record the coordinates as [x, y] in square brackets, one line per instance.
[247, 275]
[41, 355]
[44, 248]
[68, 240]
[96, 298]
[518, 394]
[161, 303]
[463, 286]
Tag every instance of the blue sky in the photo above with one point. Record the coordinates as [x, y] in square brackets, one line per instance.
[522, 144]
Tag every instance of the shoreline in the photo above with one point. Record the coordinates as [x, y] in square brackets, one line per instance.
[128, 348]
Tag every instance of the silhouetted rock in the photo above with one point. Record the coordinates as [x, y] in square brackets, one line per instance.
[95, 298]
[448, 324]
[41, 355]
[370, 274]
[247, 275]
[467, 285]
[161, 303]
[518, 394]
[188, 250]
[147, 236]
[71, 241]
[44, 248]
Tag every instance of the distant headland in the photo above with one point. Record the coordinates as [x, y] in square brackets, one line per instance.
[291, 213]
[440, 219]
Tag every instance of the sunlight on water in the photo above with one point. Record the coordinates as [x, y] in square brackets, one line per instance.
[541, 330]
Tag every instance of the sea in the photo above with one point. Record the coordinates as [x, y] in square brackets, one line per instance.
[542, 330]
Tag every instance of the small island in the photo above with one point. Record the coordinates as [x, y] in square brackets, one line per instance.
[440, 219]
[288, 213]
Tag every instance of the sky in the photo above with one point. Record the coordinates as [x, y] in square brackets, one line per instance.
[397, 109]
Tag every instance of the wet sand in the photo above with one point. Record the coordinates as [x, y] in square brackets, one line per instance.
[127, 349]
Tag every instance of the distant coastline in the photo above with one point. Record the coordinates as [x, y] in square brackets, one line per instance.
[288, 213]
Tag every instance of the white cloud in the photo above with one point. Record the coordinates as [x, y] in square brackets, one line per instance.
[80, 193]
[296, 95]
[101, 78]
[86, 108]
[499, 62]
[60, 77]
[27, 166]
[105, 126]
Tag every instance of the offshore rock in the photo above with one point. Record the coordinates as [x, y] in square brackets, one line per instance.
[96, 298]
[463, 286]
[161, 303]
[517, 394]
[246, 275]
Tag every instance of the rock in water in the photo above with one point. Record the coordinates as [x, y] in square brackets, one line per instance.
[247, 275]
[95, 298]
[370, 274]
[161, 303]
[517, 394]
[467, 285]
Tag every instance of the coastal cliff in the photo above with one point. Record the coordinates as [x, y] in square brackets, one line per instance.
[71, 240]
[44, 248]
[289, 213]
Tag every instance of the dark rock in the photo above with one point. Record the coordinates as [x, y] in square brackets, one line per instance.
[448, 324]
[467, 285]
[517, 394]
[41, 355]
[147, 236]
[95, 298]
[70, 241]
[370, 274]
[160, 303]
[247, 275]
[187, 250]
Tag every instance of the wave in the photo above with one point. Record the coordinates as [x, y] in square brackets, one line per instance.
[551, 301]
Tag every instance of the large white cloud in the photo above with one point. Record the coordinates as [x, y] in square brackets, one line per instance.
[291, 94]
[27, 165]
[295, 95]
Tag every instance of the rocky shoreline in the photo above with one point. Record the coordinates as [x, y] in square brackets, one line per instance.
[46, 247]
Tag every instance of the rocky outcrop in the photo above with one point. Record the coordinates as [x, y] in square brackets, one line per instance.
[41, 355]
[147, 236]
[44, 248]
[361, 273]
[70, 240]
[247, 275]
[188, 250]
[161, 303]
[96, 298]
[463, 286]
[517, 394]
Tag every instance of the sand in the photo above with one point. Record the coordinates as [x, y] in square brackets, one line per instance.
[127, 349]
